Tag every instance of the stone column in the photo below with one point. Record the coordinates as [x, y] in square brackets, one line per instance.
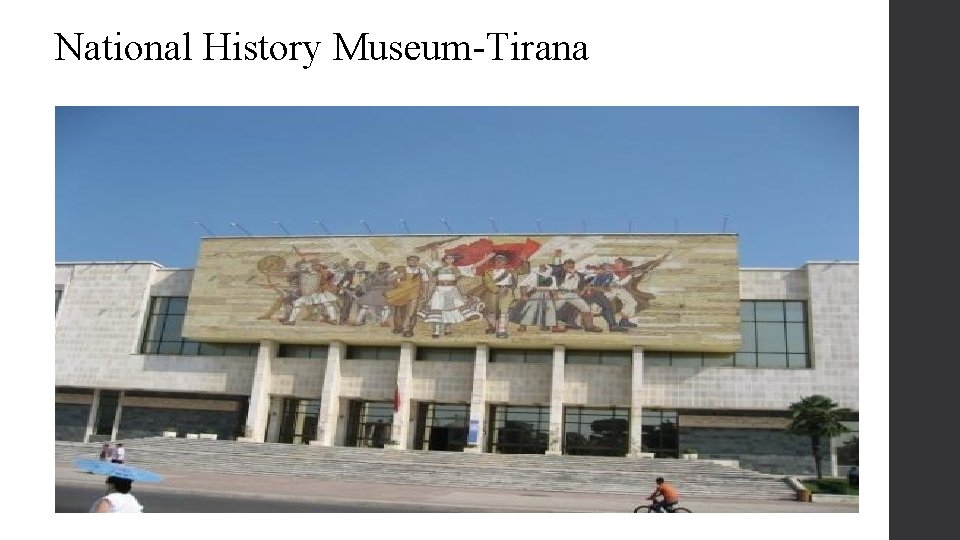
[330, 396]
[116, 416]
[401, 415]
[478, 401]
[258, 411]
[92, 417]
[636, 407]
[555, 446]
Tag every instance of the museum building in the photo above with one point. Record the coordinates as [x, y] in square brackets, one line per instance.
[617, 344]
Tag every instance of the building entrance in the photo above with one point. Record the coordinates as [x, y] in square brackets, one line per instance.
[298, 420]
[518, 429]
[370, 423]
[441, 426]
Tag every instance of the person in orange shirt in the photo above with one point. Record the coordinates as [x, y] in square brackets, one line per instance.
[669, 496]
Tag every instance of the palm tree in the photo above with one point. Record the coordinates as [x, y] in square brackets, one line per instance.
[817, 416]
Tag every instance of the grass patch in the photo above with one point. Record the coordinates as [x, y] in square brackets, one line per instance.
[831, 486]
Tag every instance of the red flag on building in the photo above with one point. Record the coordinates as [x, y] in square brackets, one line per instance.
[396, 399]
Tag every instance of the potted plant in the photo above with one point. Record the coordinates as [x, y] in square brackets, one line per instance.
[690, 453]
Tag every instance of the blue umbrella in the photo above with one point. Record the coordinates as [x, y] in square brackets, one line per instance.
[107, 468]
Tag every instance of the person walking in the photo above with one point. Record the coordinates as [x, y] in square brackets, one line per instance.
[106, 452]
[119, 454]
[118, 497]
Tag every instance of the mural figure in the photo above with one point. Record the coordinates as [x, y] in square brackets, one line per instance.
[446, 305]
[594, 290]
[275, 266]
[408, 292]
[350, 282]
[498, 286]
[371, 299]
[316, 288]
[622, 287]
[570, 284]
[539, 292]
[638, 274]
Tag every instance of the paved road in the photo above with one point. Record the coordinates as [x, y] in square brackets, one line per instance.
[75, 498]
[302, 492]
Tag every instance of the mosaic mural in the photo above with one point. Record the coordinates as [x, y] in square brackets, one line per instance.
[669, 292]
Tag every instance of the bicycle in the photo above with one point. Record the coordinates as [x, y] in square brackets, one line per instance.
[649, 508]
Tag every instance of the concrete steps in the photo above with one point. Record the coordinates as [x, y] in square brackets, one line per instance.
[583, 474]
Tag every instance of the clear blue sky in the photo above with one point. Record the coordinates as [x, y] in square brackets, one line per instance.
[131, 181]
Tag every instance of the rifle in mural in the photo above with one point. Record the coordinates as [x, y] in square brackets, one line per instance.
[640, 273]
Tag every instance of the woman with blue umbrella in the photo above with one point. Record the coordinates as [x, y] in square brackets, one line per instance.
[119, 482]
[118, 497]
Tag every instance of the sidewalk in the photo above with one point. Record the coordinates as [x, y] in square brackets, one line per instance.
[302, 489]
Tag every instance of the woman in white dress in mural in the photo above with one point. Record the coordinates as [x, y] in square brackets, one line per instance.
[445, 304]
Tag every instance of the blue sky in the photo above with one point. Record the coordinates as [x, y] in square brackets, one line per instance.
[132, 181]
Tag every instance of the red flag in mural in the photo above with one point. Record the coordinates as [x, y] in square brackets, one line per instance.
[473, 252]
[396, 399]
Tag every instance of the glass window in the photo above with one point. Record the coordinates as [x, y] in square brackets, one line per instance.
[211, 349]
[607, 358]
[660, 433]
[798, 361]
[772, 360]
[163, 333]
[106, 412]
[596, 432]
[686, 359]
[56, 300]
[717, 360]
[521, 356]
[794, 311]
[656, 358]
[518, 429]
[359, 352]
[616, 358]
[302, 351]
[440, 354]
[582, 357]
[748, 337]
[796, 338]
[745, 359]
[778, 338]
[771, 337]
[769, 311]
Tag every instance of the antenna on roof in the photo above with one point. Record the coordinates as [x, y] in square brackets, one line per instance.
[282, 228]
[494, 224]
[676, 224]
[629, 225]
[211, 233]
[725, 218]
[237, 225]
[404, 223]
[583, 225]
[322, 226]
[447, 225]
[539, 228]
[367, 227]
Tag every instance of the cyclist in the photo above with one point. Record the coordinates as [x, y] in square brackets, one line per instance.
[669, 496]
